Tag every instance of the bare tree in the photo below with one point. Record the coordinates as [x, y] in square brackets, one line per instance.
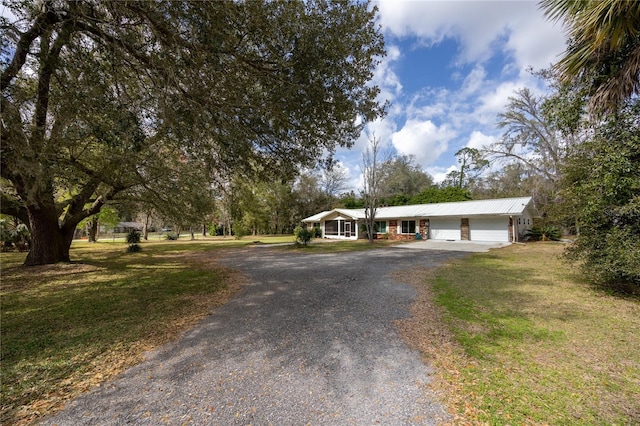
[334, 180]
[372, 180]
[529, 137]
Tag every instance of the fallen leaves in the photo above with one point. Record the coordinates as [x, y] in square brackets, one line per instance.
[98, 369]
[427, 332]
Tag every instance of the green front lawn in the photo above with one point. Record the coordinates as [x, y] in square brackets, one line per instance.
[537, 345]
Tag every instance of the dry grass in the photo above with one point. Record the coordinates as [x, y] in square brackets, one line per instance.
[518, 338]
[69, 327]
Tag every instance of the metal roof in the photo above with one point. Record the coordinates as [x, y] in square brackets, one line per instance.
[317, 217]
[494, 207]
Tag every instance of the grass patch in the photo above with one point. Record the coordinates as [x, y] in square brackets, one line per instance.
[68, 327]
[535, 344]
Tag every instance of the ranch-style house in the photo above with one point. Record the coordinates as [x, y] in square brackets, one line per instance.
[500, 220]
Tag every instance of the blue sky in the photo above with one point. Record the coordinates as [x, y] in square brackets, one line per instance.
[449, 70]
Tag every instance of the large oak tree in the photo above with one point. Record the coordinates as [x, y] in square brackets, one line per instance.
[108, 99]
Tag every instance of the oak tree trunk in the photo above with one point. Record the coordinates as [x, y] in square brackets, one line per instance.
[93, 230]
[49, 243]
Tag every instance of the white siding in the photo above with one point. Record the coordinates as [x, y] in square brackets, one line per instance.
[489, 229]
[444, 229]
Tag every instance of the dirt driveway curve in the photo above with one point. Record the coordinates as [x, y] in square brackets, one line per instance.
[310, 340]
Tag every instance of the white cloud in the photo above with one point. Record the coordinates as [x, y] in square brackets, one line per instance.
[440, 173]
[534, 41]
[422, 139]
[474, 82]
[494, 101]
[432, 22]
[385, 78]
[479, 26]
[383, 130]
[478, 140]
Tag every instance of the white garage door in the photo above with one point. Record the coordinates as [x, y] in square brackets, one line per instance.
[485, 229]
[444, 229]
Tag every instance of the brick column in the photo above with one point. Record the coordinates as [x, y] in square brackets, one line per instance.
[393, 229]
[464, 229]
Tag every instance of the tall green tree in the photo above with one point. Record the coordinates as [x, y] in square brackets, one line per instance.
[601, 190]
[472, 164]
[310, 197]
[604, 48]
[601, 183]
[445, 194]
[402, 177]
[281, 200]
[514, 180]
[99, 99]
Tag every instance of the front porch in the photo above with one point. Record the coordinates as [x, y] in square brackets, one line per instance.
[340, 228]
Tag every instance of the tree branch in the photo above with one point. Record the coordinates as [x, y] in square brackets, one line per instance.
[41, 24]
[548, 175]
[12, 207]
[49, 63]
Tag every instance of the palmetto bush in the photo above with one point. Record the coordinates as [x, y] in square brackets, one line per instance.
[543, 233]
[133, 238]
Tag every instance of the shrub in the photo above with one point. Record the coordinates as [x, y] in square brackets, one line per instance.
[133, 238]
[134, 248]
[601, 189]
[317, 233]
[543, 233]
[239, 231]
[171, 236]
[303, 235]
[14, 236]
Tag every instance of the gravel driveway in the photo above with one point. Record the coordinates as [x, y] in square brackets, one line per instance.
[310, 340]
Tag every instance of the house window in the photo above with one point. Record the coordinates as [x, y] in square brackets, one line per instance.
[331, 227]
[380, 226]
[408, 226]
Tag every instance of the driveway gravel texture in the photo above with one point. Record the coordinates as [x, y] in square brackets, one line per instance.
[309, 340]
